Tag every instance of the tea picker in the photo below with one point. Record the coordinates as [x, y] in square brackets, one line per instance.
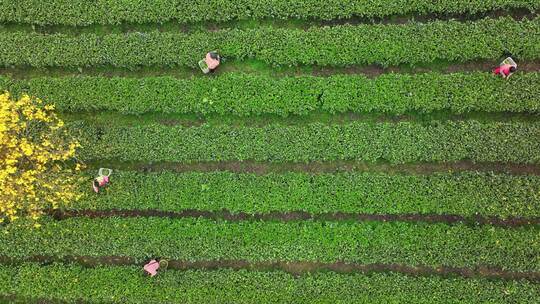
[506, 68]
[210, 63]
[102, 180]
[151, 268]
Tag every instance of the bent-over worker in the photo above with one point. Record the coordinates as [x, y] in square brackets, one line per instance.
[102, 180]
[151, 267]
[506, 68]
[212, 60]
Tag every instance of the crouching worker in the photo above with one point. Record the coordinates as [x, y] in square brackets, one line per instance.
[151, 268]
[210, 63]
[102, 180]
[506, 68]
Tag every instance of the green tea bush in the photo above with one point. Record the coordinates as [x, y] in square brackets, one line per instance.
[199, 239]
[338, 46]
[466, 194]
[114, 284]
[245, 94]
[397, 143]
[81, 12]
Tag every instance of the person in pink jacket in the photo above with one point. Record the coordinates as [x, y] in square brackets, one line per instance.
[504, 70]
[151, 267]
[212, 60]
[102, 180]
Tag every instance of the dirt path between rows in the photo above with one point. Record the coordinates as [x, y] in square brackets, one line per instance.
[296, 268]
[313, 117]
[302, 216]
[262, 168]
[287, 23]
[235, 66]
[373, 71]
[516, 14]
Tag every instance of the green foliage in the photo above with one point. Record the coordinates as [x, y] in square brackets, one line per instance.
[81, 12]
[401, 142]
[340, 45]
[245, 94]
[127, 285]
[466, 194]
[202, 239]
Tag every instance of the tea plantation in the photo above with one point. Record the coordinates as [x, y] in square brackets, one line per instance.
[344, 151]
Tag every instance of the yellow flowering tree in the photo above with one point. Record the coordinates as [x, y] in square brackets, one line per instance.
[35, 172]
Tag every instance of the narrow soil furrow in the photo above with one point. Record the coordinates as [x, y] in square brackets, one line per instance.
[251, 66]
[176, 26]
[301, 216]
[194, 120]
[296, 268]
[319, 167]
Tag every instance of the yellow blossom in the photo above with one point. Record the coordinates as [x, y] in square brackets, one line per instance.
[32, 141]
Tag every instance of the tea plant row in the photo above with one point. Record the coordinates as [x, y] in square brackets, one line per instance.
[402, 142]
[80, 12]
[246, 94]
[199, 239]
[466, 194]
[127, 284]
[413, 43]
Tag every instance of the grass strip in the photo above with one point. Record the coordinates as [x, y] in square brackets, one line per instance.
[340, 45]
[245, 94]
[464, 194]
[393, 142]
[80, 12]
[430, 245]
[126, 284]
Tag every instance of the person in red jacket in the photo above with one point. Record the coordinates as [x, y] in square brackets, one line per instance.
[505, 70]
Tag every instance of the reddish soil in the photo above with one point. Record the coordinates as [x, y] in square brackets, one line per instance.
[370, 71]
[300, 216]
[487, 66]
[324, 167]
